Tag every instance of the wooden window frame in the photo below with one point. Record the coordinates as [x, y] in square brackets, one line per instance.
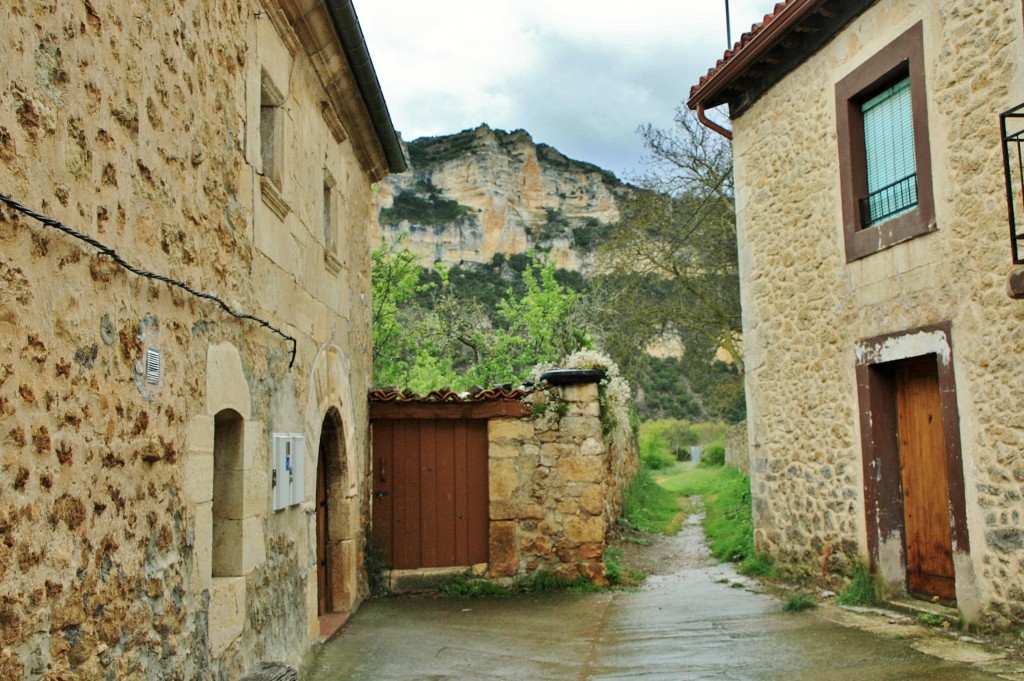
[901, 58]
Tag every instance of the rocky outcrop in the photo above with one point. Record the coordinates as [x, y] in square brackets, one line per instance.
[469, 196]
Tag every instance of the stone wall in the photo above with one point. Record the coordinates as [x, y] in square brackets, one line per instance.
[805, 307]
[138, 124]
[556, 485]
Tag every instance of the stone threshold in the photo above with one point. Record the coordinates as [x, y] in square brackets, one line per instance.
[332, 624]
[423, 580]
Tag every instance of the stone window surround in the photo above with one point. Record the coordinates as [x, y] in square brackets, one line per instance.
[272, 150]
[330, 223]
[226, 391]
[902, 57]
[879, 440]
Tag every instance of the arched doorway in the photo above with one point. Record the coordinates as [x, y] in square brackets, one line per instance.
[330, 481]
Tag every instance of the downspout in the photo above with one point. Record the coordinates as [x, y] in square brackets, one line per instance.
[343, 14]
[708, 123]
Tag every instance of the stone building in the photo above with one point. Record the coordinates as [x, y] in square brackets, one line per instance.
[183, 491]
[882, 350]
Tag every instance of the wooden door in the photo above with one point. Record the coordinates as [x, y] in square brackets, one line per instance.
[430, 492]
[926, 509]
[323, 573]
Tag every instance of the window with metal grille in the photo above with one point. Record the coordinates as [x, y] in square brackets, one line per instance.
[885, 175]
[889, 154]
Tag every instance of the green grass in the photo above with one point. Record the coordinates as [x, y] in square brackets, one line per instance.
[863, 588]
[757, 565]
[799, 601]
[536, 582]
[727, 523]
[648, 506]
[542, 582]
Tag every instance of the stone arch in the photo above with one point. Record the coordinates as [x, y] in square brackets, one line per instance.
[331, 410]
[330, 388]
[226, 387]
[223, 435]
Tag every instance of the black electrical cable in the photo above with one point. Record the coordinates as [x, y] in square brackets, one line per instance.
[106, 250]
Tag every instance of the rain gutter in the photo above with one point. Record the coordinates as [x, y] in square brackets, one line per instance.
[346, 25]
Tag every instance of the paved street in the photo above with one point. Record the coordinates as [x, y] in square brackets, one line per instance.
[696, 623]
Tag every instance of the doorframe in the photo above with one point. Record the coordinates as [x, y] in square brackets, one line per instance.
[883, 493]
[340, 542]
[325, 595]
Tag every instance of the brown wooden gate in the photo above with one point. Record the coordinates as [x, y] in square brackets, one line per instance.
[430, 492]
[926, 508]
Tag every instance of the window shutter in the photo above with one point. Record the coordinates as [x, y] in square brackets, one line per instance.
[889, 151]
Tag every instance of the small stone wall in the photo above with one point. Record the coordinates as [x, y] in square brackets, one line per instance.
[556, 485]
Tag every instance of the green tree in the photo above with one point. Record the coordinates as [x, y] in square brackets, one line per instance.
[669, 266]
[394, 280]
[429, 334]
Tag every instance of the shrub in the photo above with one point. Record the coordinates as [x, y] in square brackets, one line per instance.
[655, 460]
[713, 455]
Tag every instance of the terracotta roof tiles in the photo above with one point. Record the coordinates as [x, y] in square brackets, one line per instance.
[503, 392]
[742, 44]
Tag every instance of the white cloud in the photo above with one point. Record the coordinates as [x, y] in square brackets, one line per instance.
[580, 75]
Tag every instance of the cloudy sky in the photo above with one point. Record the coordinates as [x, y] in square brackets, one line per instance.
[580, 75]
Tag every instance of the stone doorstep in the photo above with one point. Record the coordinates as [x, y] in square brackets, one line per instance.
[897, 618]
[425, 579]
[331, 624]
[915, 607]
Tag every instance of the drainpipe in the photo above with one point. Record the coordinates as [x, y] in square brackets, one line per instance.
[346, 24]
[708, 123]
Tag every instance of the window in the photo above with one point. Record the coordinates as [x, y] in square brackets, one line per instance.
[330, 223]
[270, 130]
[330, 233]
[271, 146]
[889, 155]
[228, 493]
[884, 159]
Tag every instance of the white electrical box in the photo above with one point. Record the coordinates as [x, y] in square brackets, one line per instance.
[289, 469]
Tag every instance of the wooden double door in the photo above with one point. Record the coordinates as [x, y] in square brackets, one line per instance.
[430, 492]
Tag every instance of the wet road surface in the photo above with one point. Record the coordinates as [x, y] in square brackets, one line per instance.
[692, 624]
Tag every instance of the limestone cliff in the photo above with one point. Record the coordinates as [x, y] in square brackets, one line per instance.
[469, 196]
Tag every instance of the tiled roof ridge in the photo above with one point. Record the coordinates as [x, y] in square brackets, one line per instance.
[475, 394]
[743, 43]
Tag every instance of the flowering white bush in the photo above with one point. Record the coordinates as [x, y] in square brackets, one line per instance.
[616, 397]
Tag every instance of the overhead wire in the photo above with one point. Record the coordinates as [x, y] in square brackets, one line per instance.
[113, 255]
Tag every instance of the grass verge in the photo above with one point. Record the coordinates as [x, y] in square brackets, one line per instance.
[799, 601]
[863, 588]
[727, 523]
[650, 507]
[536, 582]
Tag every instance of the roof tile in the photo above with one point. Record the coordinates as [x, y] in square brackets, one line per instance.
[741, 44]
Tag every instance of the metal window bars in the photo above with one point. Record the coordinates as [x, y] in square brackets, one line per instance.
[1013, 170]
[888, 201]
